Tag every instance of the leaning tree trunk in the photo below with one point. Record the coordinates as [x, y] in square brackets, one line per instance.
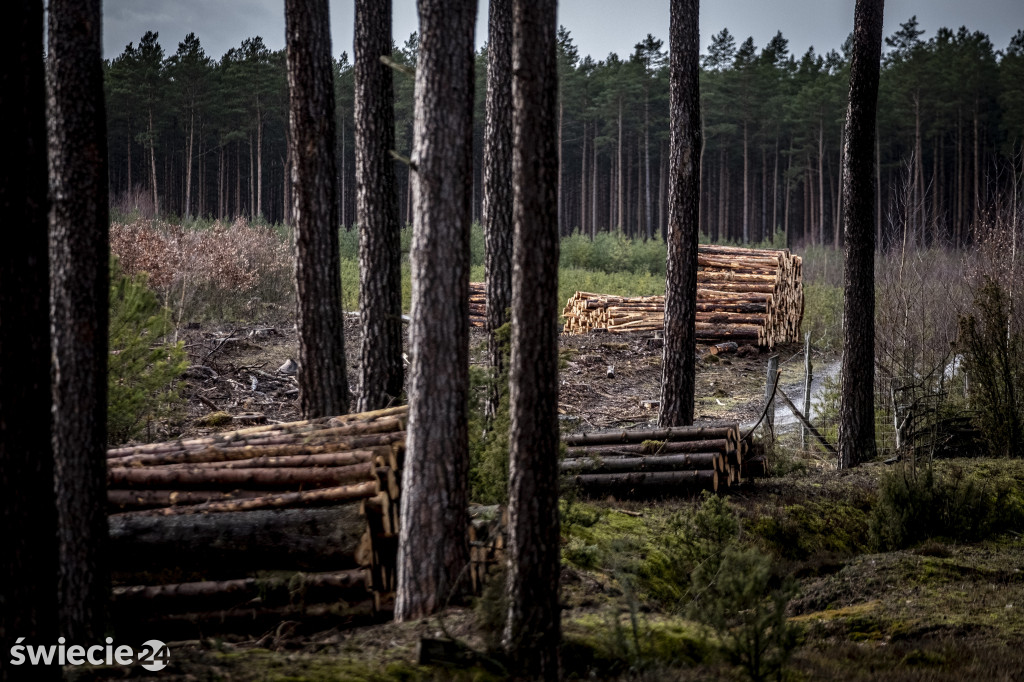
[323, 383]
[433, 548]
[380, 247]
[80, 289]
[28, 570]
[856, 411]
[678, 378]
[498, 188]
[533, 629]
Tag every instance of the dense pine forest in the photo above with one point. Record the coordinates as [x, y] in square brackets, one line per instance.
[193, 136]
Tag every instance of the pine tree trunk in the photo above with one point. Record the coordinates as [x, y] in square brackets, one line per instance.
[434, 490]
[188, 163]
[593, 187]
[746, 189]
[323, 381]
[380, 240]
[621, 205]
[678, 374]
[856, 412]
[647, 164]
[152, 166]
[533, 629]
[80, 286]
[28, 572]
[498, 226]
[583, 183]
[821, 181]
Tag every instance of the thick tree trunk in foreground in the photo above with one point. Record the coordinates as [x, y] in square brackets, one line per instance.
[533, 629]
[80, 289]
[498, 186]
[380, 248]
[678, 378]
[433, 549]
[28, 564]
[323, 382]
[856, 411]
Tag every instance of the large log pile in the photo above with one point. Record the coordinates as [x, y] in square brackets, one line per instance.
[746, 295]
[664, 461]
[258, 525]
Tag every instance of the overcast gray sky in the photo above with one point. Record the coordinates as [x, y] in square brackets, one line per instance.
[598, 26]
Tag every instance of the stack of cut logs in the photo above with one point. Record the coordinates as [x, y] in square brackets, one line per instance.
[662, 461]
[258, 525]
[477, 305]
[747, 295]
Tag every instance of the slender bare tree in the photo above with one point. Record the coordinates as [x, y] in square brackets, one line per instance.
[497, 200]
[380, 240]
[28, 515]
[533, 629]
[323, 382]
[79, 302]
[433, 549]
[856, 408]
[678, 373]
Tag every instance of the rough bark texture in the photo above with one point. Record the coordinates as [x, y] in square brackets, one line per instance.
[533, 629]
[856, 411]
[678, 379]
[497, 200]
[323, 383]
[28, 564]
[380, 247]
[433, 548]
[306, 539]
[80, 283]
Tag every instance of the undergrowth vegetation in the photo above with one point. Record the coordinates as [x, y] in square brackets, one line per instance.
[144, 369]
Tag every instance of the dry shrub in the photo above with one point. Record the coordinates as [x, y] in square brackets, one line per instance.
[220, 271]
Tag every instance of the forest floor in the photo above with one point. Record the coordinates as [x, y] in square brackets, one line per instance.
[941, 610]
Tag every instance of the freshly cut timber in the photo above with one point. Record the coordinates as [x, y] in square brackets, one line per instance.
[749, 295]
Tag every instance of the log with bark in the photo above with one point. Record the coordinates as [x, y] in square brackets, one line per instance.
[647, 483]
[270, 590]
[303, 539]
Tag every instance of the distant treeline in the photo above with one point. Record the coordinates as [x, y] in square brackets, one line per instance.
[192, 136]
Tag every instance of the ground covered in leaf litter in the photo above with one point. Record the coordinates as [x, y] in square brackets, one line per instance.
[941, 611]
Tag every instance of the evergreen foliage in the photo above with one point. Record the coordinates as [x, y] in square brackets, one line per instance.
[144, 369]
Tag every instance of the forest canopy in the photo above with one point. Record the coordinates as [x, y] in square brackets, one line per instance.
[194, 136]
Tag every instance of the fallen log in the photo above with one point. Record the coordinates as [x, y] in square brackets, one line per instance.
[320, 496]
[262, 592]
[150, 499]
[189, 452]
[292, 539]
[648, 482]
[674, 433]
[657, 448]
[327, 459]
[271, 477]
[697, 460]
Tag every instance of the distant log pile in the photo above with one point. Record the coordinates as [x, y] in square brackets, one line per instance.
[649, 462]
[750, 296]
[477, 305]
[202, 521]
